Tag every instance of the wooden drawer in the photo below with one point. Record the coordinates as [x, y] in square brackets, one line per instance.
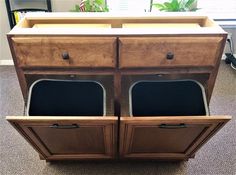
[56, 138]
[173, 137]
[138, 52]
[65, 51]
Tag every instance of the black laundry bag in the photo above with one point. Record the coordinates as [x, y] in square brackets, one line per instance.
[167, 98]
[66, 98]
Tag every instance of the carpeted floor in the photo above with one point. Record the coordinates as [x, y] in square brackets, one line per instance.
[217, 157]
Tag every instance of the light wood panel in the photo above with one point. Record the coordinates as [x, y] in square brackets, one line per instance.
[72, 26]
[160, 25]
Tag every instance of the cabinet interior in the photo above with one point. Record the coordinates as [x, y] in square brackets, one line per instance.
[114, 22]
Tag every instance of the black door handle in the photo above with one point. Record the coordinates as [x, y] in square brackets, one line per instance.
[168, 126]
[56, 126]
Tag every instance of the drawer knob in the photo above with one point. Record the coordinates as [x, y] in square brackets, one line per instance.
[65, 55]
[169, 56]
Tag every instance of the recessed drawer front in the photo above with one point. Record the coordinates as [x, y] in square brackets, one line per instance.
[136, 52]
[65, 51]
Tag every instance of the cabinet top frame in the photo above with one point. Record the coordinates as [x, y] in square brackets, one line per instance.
[99, 24]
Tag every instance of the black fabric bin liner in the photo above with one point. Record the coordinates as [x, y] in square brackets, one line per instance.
[167, 98]
[66, 98]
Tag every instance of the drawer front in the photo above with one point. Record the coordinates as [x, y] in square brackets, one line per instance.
[57, 138]
[65, 51]
[139, 52]
[172, 137]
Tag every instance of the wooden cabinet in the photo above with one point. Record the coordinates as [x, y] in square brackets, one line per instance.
[117, 54]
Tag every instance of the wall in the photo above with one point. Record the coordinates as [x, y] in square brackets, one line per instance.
[4, 28]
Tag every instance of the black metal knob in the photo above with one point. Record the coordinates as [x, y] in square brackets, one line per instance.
[169, 56]
[65, 55]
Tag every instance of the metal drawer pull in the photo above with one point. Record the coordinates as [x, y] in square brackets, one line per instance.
[65, 55]
[169, 56]
[167, 126]
[56, 126]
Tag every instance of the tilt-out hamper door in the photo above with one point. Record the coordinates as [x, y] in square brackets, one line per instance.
[171, 137]
[57, 138]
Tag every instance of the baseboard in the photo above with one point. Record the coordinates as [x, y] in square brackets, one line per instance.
[6, 63]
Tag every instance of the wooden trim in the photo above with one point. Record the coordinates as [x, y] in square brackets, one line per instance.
[214, 130]
[20, 73]
[22, 133]
[67, 71]
[198, 119]
[214, 73]
[26, 119]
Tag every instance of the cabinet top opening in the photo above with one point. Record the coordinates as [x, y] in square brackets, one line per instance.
[116, 24]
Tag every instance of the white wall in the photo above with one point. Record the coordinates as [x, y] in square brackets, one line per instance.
[4, 28]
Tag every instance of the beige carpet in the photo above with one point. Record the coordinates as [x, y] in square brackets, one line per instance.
[217, 157]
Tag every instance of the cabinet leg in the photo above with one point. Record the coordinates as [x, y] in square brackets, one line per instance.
[41, 157]
[192, 156]
[48, 161]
